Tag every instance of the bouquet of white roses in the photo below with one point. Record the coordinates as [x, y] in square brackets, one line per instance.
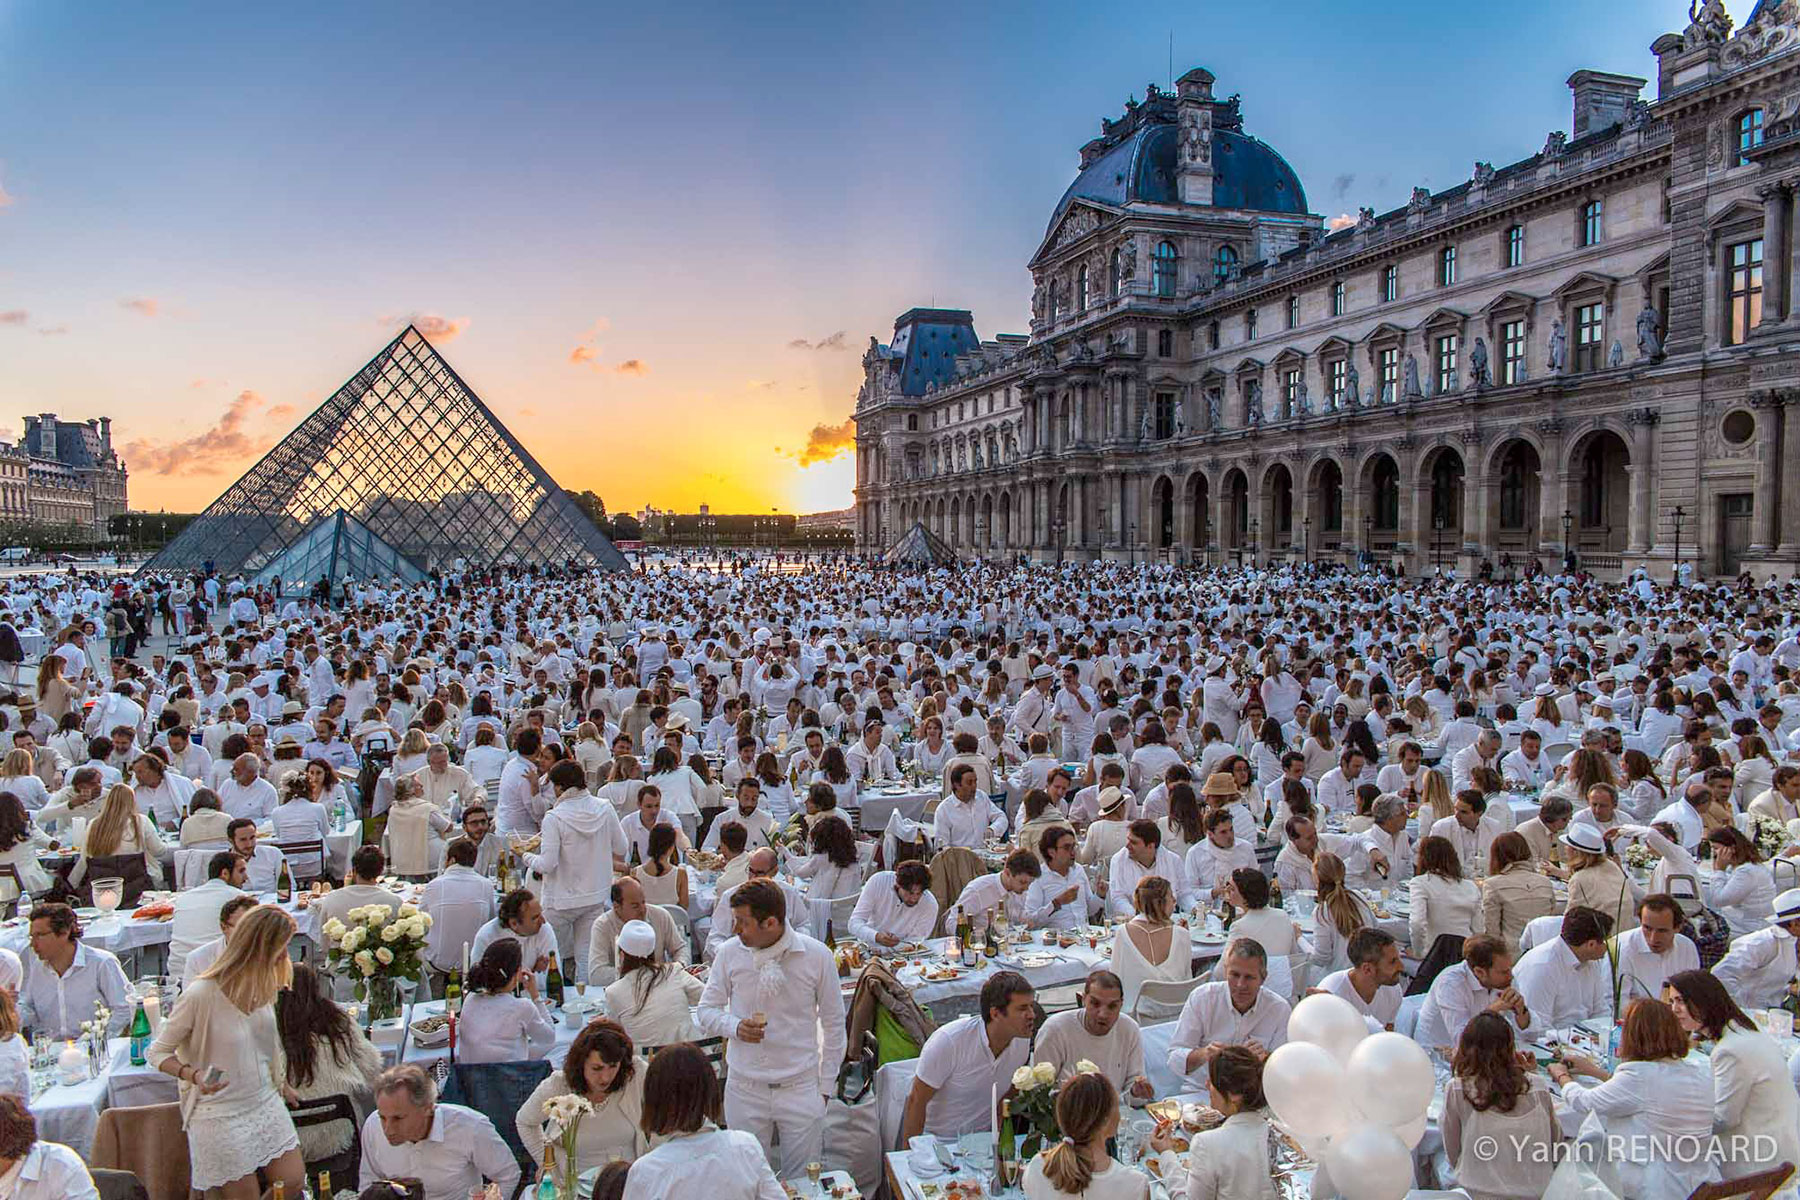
[1641, 857]
[562, 1121]
[1035, 1105]
[1770, 836]
[376, 946]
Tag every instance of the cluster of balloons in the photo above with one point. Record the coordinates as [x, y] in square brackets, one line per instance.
[1354, 1100]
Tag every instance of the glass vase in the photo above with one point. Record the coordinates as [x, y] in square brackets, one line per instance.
[383, 997]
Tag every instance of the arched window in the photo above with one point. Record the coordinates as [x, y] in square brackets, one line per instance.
[1750, 134]
[1513, 469]
[1163, 269]
[1224, 262]
[1387, 495]
[1112, 275]
[1081, 290]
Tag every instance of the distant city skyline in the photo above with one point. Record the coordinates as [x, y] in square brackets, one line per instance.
[655, 242]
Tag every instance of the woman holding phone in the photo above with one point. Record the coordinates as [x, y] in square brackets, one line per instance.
[221, 1043]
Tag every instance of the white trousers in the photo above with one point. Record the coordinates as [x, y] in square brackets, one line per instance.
[793, 1112]
[571, 927]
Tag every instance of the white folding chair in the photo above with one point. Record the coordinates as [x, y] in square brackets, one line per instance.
[1162, 999]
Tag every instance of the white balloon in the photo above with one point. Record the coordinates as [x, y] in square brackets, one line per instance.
[1413, 1132]
[1328, 1021]
[1305, 1087]
[1391, 1077]
[1369, 1162]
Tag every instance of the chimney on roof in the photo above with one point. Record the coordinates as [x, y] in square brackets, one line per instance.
[1601, 100]
[46, 446]
[1194, 152]
[105, 436]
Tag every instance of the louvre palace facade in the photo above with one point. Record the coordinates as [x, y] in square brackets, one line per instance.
[1594, 351]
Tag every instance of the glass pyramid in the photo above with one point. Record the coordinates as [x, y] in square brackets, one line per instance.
[411, 455]
[338, 547]
[919, 545]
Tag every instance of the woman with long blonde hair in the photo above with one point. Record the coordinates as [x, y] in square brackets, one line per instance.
[121, 829]
[56, 695]
[1087, 1111]
[18, 775]
[1434, 798]
[1344, 912]
[221, 1043]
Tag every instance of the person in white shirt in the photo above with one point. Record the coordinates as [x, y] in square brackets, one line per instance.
[459, 902]
[1074, 708]
[896, 906]
[500, 1022]
[758, 864]
[36, 1169]
[1234, 1011]
[64, 979]
[1470, 831]
[524, 797]
[581, 846]
[628, 905]
[870, 758]
[1684, 814]
[1211, 860]
[1481, 982]
[448, 1148]
[206, 955]
[1372, 982]
[446, 785]
[1563, 981]
[161, 791]
[520, 916]
[1294, 865]
[1387, 841]
[246, 793]
[1653, 952]
[965, 817]
[986, 893]
[965, 1063]
[1483, 752]
[196, 919]
[759, 825]
[773, 991]
[1143, 855]
[1098, 1032]
[1759, 966]
[262, 861]
[1337, 789]
[690, 1155]
[1059, 898]
[1756, 1112]
[1401, 778]
[1526, 765]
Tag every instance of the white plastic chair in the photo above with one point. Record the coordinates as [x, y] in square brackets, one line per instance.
[1540, 929]
[1165, 997]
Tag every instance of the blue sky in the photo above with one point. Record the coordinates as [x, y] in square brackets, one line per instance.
[624, 219]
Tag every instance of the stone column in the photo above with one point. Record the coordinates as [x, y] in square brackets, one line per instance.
[1775, 254]
[1789, 541]
[1551, 500]
[1642, 472]
[1765, 528]
[1477, 504]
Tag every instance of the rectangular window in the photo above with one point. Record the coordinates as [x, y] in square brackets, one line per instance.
[1447, 266]
[1165, 415]
[1515, 246]
[1290, 392]
[1590, 222]
[1390, 374]
[1337, 298]
[1590, 337]
[1446, 363]
[1165, 343]
[1212, 335]
[1746, 298]
[1250, 325]
[1750, 134]
[1512, 353]
[1293, 312]
[1339, 381]
[1390, 284]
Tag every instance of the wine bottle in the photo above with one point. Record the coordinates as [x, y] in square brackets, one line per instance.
[546, 1188]
[453, 988]
[1007, 1152]
[284, 884]
[553, 985]
[991, 948]
[324, 1185]
[140, 1035]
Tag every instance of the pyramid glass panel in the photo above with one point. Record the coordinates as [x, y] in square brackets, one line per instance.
[412, 459]
[336, 548]
[919, 545]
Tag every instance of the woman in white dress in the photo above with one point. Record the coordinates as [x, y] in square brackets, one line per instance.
[1656, 1100]
[602, 1067]
[833, 866]
[932, 751]
[1741, 890]
[1151, 945]
[496, 1025]
[651, 1000]
[220, 1042]
[1087, 1112]
[681, 789]
[692, 1156]
[17, 775]
[661, 875]
[1232, 1161]
[1440, 900]
[1756, 1113]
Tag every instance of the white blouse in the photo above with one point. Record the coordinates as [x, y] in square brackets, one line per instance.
[504, 1028]
[1440, 906]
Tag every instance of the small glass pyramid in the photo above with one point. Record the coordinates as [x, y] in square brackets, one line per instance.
[411, 456]
[919, 545]
[336, 548]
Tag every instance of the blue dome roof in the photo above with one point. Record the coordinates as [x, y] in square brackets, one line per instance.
[1247, 174]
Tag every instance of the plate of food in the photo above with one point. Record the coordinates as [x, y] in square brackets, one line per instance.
[940, 973]
[1033, 961]
[431, 1031]
[907, 949]
[1210, 937]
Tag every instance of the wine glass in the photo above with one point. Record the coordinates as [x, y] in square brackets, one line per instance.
[813, 1171]
[107, 894]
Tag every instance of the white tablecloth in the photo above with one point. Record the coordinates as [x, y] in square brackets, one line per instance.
[70, 1113]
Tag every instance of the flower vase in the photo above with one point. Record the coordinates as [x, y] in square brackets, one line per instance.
[95, 1055]
[1031, 1147]
[383, 998]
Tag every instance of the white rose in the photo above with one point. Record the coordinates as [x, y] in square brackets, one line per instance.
[424, 920]
[1084, 1067]
[365, 962]
[409, 910]
[335, 929]
[385, 957]
[1022, 1078]
[1043, 1073]
[393, 933]
[379, 914]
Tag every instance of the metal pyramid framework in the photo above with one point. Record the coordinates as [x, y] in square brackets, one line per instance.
[336, 548]
[407, 451]
[919, 545]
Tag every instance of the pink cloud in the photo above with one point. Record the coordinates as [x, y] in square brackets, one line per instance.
[633, 366]
[581, 354]
[227, 445]
[4, 198]
[143, 305]
[280, 411]
[1341, 221]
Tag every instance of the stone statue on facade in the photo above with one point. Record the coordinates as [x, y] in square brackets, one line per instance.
[1650, 334]
[1709, 23]
[1615, 356]
[1213, 421]
[1253, 404]
[1144, 425]
[1484, 174]
[1012, 448]
[1039, 299]
[1409, 379]
[1352, 385]
[1479, 376]
[975, 456]
[1365, 219]
[1127, 264]
[1180, 420]
[1559, 348]
[1081, 351]
[1302, 403]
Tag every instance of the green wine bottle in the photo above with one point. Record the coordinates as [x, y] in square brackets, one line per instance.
[553, 985]
[140, 1035]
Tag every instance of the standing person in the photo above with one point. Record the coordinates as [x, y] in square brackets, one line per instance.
[692, 1155]
[1087, 1112]
[498, 1026]
[1493, 1105]
[582, 845]
[1756, 1113]
[774, 992]
[221, 1043]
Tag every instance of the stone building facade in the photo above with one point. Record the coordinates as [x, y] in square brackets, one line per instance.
[62, 473]
[1589, 352]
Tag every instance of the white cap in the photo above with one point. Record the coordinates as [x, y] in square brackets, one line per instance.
[638, 939]
[1787, 905]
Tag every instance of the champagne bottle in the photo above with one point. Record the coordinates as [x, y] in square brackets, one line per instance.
[992, 946]
[284, 884]
[278, 1191]
[546, 1188]
[1007, 1153]
[324, 1185]
[553, 985]
[140, 1035]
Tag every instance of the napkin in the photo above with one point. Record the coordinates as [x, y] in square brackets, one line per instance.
[924, 1156]
[899, 829]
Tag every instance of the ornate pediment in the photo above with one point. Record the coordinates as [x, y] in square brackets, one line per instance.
[1509, 300]
[1080, 222]
[1443, 317]
[1585, 281]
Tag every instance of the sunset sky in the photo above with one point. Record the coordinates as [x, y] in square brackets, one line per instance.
[654, 238]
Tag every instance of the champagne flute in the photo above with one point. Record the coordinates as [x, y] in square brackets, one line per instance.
[813, 1171]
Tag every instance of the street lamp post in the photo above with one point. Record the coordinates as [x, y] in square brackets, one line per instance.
[1437, 541]
[1568, 520]
[1131, 543]
[1255, 539]
[1306, 539]
[1060, 525]
[1368, 537]
[1680, 514]
[1209, 540]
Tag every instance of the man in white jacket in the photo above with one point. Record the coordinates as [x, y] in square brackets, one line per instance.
[582, 845]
